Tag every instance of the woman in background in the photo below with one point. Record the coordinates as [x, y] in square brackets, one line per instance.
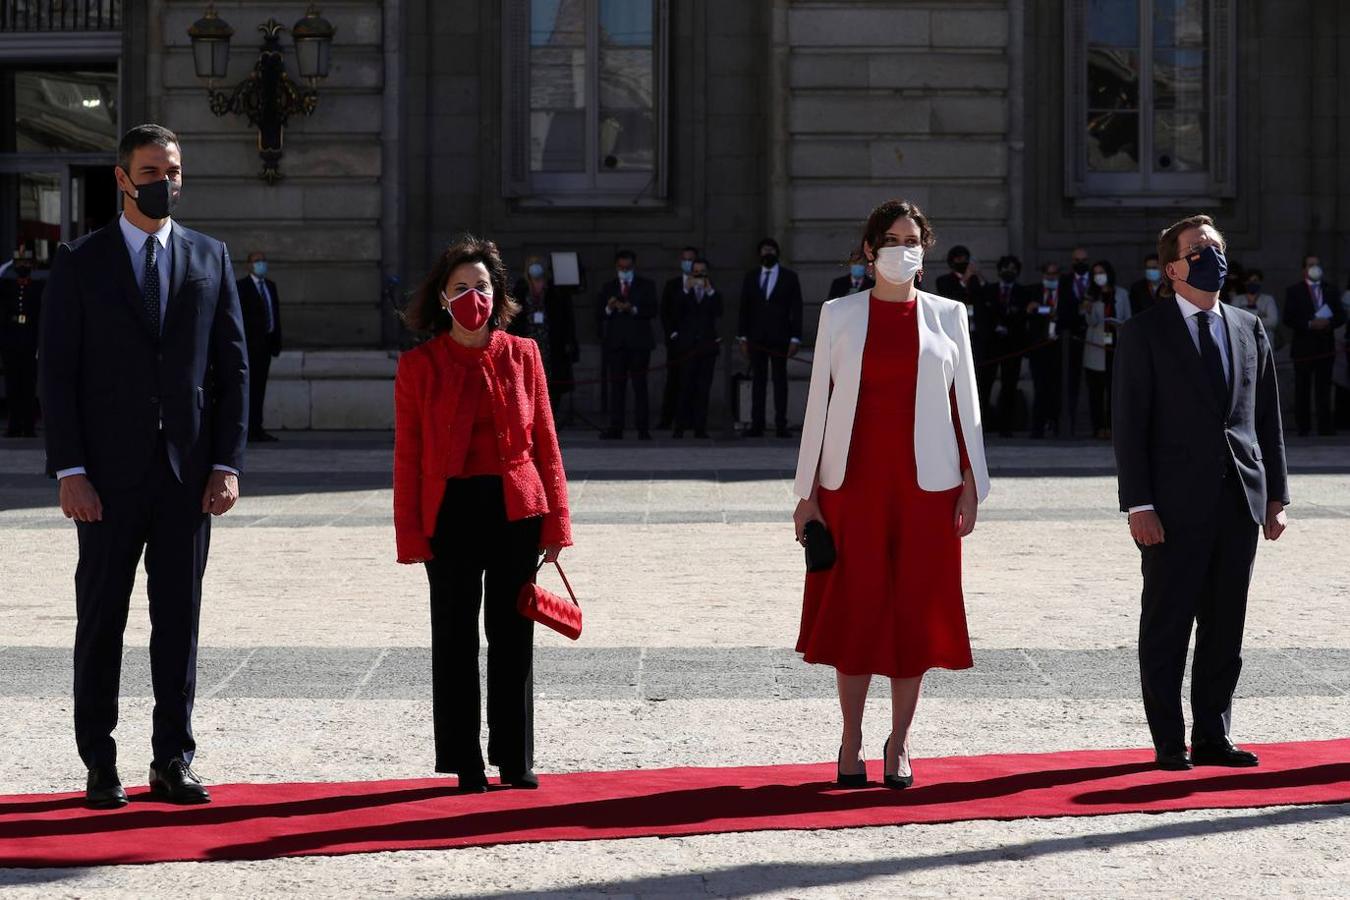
[1106, 306]
[547, 316]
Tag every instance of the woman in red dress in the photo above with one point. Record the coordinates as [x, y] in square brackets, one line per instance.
[892, 463]
[479, 494]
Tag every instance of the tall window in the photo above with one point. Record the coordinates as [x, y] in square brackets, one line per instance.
[584, 101]
[1149, 90]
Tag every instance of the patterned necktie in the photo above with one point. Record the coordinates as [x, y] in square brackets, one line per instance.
[150, 291]
[1209, 355]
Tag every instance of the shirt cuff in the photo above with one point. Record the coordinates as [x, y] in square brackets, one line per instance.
[1147, 507]
[73, 470]
[795, 341]
[222, 468]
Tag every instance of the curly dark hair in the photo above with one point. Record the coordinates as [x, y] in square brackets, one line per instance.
[885, 215]
[424, 311]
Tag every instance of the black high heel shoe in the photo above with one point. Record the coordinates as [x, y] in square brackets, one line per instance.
[894, 782]
[474, 782]
[849, 781]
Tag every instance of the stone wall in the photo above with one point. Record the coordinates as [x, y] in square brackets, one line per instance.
[322, 226]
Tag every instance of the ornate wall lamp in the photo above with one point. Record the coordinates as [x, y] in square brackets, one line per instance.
[268, 96]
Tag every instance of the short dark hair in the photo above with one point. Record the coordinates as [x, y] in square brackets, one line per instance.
[700, 261]
[252, 254]
[1047, 264]
[958, 250]
[1152, 256]
[425, 312]
[1306, 257]
[143, 136]
[693, 250]
[626, 254]
[886, 215]
[770, 242]
[1009, 260]
[1257, 272]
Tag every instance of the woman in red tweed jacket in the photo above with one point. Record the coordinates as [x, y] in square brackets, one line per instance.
[479, 490]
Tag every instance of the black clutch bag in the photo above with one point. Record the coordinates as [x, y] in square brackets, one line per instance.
[820, 553]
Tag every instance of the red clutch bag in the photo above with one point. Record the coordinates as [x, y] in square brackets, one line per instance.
[547, 608]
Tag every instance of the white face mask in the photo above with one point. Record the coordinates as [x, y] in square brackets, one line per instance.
[1314, 273]
[1100, 279]
[898, 265]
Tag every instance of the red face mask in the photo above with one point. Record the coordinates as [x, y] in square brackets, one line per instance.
[471, 309]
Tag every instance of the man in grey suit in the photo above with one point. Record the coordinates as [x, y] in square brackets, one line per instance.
[1201, 468]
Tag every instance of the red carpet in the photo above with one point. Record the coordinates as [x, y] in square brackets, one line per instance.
[260, 821]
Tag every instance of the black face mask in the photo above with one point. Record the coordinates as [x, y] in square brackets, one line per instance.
[1080, 267]
[768, 260]
[959, 265]
[1008, 275]
[157, 199]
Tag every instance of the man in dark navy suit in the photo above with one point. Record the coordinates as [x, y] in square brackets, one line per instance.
[1201, 469]
[261, 305]
[770, 333]
[1312, 308]
[625, 308]
[145, 380]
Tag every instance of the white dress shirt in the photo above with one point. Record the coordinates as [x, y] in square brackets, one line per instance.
[1218, 330]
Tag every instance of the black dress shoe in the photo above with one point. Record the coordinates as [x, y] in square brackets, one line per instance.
[754, 433]
[677, 434]
[702, 435]
[611, 434]
[177, 783]
[895, 782]
[644, 435]
[104, 790]
[784, 432]
[526, 779]
[262, 437]
[474, 782]
[1174, 762]
[1224, 754]
[849, 781]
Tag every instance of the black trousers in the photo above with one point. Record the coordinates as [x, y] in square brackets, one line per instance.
[625, 367]
[259, 364]
[1073, 383]
[696, 383]
[1099, 397]
[21, 388]
[1199, 574]
[1312, 386]
[1045, 376]
[762, 359]
[163, 518]
[670, 396]
[481, 559]
[1009, 375]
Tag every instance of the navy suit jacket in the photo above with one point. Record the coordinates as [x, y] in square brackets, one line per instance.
[1299, 310]
[109, 381]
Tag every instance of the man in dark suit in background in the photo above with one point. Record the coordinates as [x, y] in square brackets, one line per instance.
[1313, 310]
[1001, 315]
[770, 332]
[1144, 292]
[626, 306]
[261, 304]
[145, 391]
[858, 279]
[1075, 286]
[1043, 351]
[1201, 470]
[697, 341]
[20, 315]
[671, 296]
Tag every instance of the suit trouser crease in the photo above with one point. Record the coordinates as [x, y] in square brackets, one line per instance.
[673, 390]
[762, 360]
[695, 384]
[481, 559]
[1045, 374]
[1200, 574]
[161, 518]
[21, 388]
[1312, 388]
[628, 366]
[259, 364]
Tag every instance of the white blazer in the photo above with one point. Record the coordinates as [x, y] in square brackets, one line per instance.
[836, 372]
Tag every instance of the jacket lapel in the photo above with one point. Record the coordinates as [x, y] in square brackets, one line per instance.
[1178, 334]
[120, 260]
[1237, 358]
[182, 263]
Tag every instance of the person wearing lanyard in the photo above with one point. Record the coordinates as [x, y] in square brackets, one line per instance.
[1108, 305]
[20, 311]
[1312, 313]
[1043, 349]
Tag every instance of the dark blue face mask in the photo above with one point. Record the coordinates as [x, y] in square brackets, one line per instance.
[1207, 269]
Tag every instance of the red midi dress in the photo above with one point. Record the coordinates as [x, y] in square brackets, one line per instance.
[891, 604]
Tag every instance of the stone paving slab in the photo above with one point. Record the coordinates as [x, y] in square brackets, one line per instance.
[664, 673]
